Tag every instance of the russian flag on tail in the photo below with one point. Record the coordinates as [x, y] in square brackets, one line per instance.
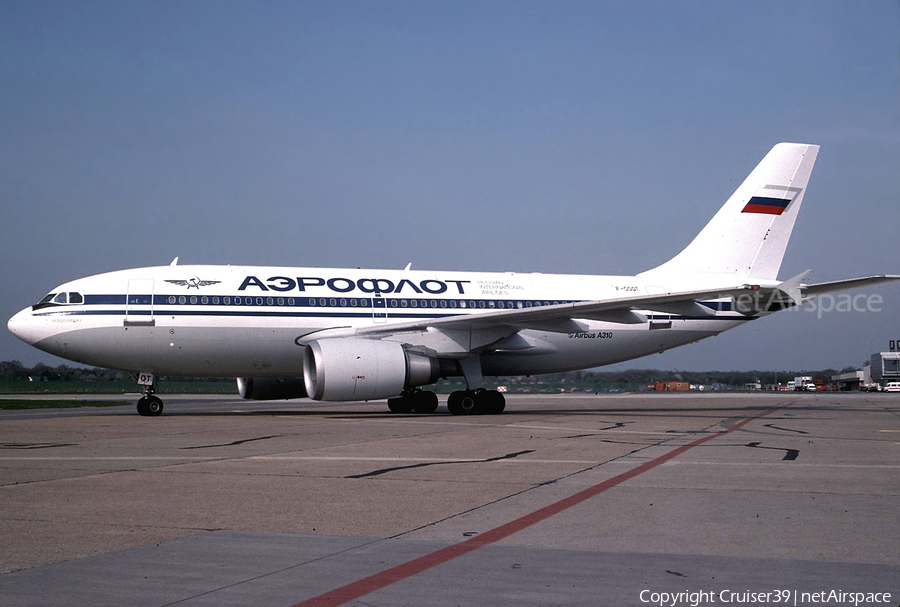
[771, 200]
[766, 205]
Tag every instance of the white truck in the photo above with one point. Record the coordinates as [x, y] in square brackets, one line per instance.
[804, 383]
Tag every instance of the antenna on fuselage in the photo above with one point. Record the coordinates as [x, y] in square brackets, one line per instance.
[174, 262]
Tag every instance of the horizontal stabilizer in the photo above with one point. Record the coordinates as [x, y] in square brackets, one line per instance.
[842, 285]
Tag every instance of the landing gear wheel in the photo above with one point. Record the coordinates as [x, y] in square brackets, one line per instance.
[150, 406]
[156, 406]
[453, 403]
[492, 402]
[401, 404]
[463, 402]
[424, 401]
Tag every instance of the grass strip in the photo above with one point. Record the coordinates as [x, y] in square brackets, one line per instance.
[58, 404]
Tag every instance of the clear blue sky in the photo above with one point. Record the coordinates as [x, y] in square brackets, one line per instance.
[575, 137]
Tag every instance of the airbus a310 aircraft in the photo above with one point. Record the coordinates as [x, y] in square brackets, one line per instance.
[346, 335]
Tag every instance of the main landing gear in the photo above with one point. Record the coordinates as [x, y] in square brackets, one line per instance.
[476, 399]
[420, 401]
[469, 402]
[149, 404]
[461, 402]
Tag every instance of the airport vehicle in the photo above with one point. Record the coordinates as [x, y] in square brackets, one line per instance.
[801, 382]
[892, 386]
[351, 334]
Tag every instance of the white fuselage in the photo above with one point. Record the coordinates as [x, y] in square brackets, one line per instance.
[224, 321]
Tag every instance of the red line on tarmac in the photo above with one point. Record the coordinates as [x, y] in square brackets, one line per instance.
[380, 580]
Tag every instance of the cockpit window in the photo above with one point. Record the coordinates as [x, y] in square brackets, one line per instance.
[59, 299]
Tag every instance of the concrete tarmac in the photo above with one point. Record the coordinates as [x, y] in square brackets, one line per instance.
[759, 499]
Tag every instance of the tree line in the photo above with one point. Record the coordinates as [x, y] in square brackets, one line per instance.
[629, 379]
[633, 379]
[13, 370]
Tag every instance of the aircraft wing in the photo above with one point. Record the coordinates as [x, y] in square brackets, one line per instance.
[615, 310]
[458, 335]
[462, 334]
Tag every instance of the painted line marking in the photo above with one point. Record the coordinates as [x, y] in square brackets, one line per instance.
[444, 422]
[289, 458]
[458, 461]
[759, 464]
[591, 431]
[186, 458]
[385, 578]
[436, 460]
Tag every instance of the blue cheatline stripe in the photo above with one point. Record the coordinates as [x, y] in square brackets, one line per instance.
[393, 311]
[106, 300]
[306, 301]
[335, 315]
[463, 304]
[237, 314]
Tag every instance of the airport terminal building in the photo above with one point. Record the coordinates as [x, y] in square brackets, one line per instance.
[883, 367]
[886, 366]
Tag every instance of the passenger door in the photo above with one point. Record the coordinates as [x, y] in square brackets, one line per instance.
[139, 303]
[379, 309]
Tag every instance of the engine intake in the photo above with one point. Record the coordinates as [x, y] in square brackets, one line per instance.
[344, 369]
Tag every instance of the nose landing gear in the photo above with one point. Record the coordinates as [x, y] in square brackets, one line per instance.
[149, 404]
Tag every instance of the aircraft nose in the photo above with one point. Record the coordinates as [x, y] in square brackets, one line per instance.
[21, 326]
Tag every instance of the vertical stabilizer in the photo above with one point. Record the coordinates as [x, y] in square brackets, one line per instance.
[749, 235]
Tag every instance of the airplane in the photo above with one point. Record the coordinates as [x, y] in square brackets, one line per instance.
[361, 334]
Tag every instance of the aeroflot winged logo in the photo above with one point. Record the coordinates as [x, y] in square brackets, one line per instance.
[771, 200]
[194, 283]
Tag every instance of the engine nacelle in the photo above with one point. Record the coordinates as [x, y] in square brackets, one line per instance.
[343, 369]
[267, 388]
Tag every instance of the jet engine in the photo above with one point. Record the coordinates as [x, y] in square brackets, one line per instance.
[267, 388]
[343, 369]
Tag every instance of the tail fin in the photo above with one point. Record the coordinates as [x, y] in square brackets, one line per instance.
[749, 235]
